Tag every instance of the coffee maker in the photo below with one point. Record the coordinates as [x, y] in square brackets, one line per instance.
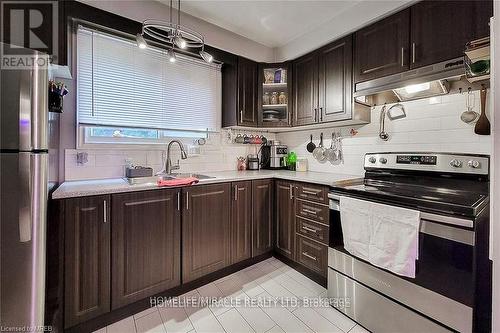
[273, 155]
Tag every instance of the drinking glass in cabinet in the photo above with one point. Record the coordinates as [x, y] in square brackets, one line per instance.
[274, 98]
[266, 99]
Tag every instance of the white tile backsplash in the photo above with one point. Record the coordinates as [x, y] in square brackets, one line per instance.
[218, 154]
[430, 125]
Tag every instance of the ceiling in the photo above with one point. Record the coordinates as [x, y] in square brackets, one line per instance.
[271, 23]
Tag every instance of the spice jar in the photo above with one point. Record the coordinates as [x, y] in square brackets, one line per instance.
[274, 98]
[282, 98]
[266, 99]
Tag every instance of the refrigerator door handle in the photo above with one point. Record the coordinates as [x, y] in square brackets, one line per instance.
[25, 213]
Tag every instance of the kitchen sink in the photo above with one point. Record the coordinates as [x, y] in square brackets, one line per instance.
[154, 179]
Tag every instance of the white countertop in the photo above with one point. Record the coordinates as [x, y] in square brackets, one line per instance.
[82, 188]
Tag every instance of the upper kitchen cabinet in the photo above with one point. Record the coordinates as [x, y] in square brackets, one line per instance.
[247, 92]
[382, 48]
[206, 230]
[305, 90]
[239, 91]
[335, 81]
[146, 232]
[440, 29]
[274, 94]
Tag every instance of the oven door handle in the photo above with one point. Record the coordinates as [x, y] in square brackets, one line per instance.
[334, 202]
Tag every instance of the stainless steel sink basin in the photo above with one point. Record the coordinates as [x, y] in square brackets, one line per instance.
[154, 179]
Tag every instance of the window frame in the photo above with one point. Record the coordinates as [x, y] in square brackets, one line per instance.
[83, 137]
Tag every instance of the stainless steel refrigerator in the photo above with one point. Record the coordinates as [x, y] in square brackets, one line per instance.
[24, 191]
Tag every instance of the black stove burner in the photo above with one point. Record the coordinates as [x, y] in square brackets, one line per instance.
[463, 197]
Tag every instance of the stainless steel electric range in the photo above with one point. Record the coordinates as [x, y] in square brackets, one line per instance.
[451, 290]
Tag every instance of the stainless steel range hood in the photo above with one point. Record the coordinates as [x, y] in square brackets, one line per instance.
[424, 82]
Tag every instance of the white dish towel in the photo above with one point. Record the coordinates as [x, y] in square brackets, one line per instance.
[383, 235]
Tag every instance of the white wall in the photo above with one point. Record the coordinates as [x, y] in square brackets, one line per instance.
[140, 10]
[431, 125]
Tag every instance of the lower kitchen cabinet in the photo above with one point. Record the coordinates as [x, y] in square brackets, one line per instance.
[87, 258]
[146, 232]
[241, 221]
[263, 216]
[285, 218]
[205, 229]
[312, 255]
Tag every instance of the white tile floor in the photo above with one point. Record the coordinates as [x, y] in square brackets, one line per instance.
[268, 280]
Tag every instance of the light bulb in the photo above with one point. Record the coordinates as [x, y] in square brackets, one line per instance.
[141, 42]
[206, 56]
[180, 42]
[171, 56]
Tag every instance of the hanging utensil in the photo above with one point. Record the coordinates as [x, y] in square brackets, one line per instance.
[311, 146]
[330, 153]
[340, 153]
[470, 115]
[483, 124]
[319, 152]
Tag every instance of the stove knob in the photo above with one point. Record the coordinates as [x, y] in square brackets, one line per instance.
[372, 159]
[383, 160]
[456, 163]
[474, 164]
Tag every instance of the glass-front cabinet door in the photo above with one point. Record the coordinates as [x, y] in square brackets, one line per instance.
[274, 95]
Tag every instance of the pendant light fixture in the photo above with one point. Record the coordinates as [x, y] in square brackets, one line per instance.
[174, 35]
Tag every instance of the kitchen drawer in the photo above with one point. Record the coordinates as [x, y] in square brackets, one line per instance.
[317, 231]
[312, 254]
[312, 211]
[311, 192]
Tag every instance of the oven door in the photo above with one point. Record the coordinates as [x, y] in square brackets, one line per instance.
[443, 288]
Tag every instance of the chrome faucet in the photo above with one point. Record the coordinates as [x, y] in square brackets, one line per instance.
[168, 162]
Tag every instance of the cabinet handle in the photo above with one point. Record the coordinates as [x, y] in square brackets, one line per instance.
[309, 229]
[309, 192]
[305, 254]
[179, 200]
[105, 209]
[235, 192]
[413, 56]
[187, 200]
[321, 114]
[241, 116]
[291, 191]
[402, 57]
[309, 211]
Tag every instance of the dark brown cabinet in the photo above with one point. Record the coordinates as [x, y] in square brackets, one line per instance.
[241, 221]
[205, 230]
[263, 214]
[335, 81]
[87, 258]
[247, 92]
[146, 231]
[305, 90]
[285, 218]
[382, 48]
[322, 84]
[440, 29]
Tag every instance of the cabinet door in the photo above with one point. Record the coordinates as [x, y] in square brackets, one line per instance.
[145, 244]
[382, 48]
[440, 29]
[335, 81]
[241, 221]
[205, 230]
[87, 259]
[305, 90]
[247, 92]
[263, 208]
[285, 217]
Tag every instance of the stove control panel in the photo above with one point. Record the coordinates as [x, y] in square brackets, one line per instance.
[437, 162]
[416, 159]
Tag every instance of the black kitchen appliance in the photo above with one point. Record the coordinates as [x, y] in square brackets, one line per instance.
[451, 290]
[273, 155]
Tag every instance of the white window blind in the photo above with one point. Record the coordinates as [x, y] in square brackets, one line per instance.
[122, 85]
